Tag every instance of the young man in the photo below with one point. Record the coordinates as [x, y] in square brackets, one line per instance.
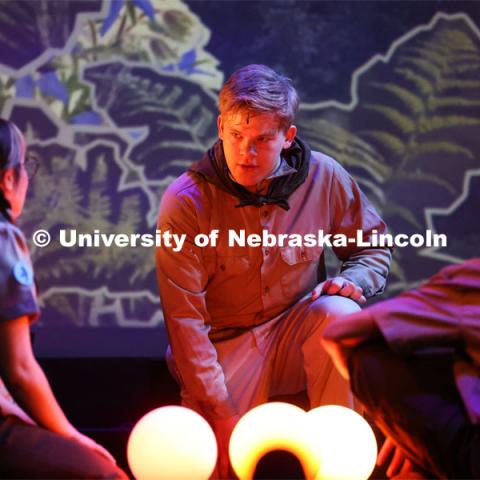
[244, 322]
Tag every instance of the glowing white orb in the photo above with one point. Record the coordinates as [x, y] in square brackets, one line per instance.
[268, 427]
[172, 443]
[345, 444]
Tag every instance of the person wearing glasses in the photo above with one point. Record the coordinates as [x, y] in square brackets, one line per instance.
[36, 438]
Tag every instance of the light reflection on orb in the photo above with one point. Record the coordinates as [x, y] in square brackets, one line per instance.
[268, 427]
[344, 443]
[172, 443]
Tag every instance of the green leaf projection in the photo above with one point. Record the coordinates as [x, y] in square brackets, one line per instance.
[104, 168]
[117, 99]
[179, 116]
[412, 130]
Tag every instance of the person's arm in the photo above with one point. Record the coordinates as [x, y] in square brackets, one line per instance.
[28, 385]
[351, 211]
[342, 335]
[8, 406]
[182, 280]
[432, 316]
[25, 379]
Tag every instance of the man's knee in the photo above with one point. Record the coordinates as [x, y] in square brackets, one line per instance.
[333, 306]
[320, 311]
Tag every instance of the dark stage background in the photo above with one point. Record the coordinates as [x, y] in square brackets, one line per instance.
[118, 98]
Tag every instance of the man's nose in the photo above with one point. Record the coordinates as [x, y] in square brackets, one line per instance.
[249, 149]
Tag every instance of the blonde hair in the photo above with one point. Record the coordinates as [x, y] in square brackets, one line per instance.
[259, 89]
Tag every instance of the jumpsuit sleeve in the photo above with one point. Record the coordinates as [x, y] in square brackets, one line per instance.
[366, 267]
[182, 281]
[443, 312]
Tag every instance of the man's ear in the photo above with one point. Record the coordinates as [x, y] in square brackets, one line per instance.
[289, 136]
[220, 127]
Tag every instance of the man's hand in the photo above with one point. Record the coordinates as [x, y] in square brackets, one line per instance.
[399, 465]
[343, 334]
[223, 430]
[339, 286]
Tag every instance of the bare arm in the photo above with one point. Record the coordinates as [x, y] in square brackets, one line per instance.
[29, 386]
[25, 378]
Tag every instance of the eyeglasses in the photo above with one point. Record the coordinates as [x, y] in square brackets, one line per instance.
[31, 165]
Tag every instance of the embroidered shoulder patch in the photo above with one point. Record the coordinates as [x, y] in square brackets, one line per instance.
[23, 273]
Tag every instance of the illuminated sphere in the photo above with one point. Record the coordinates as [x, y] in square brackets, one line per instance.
[268, 427]
[172, 443]
[345, 445]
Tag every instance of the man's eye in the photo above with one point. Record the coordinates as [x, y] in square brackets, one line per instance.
[235, 135]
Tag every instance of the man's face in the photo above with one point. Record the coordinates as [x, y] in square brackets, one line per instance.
[252, 144]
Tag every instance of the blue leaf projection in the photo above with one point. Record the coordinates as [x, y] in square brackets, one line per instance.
[50, 84]
[25, 87]
[146, 7]
[115, 7]
[87, 118]
[187, 62]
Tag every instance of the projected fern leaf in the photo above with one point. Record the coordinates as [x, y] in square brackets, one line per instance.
[415, 124]
[394, 116]
[426, 103]
[61, 192]
[420, 82]
[339, 142]
[441, 147]
[180, 115]
[390, 142]
[413, 102]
